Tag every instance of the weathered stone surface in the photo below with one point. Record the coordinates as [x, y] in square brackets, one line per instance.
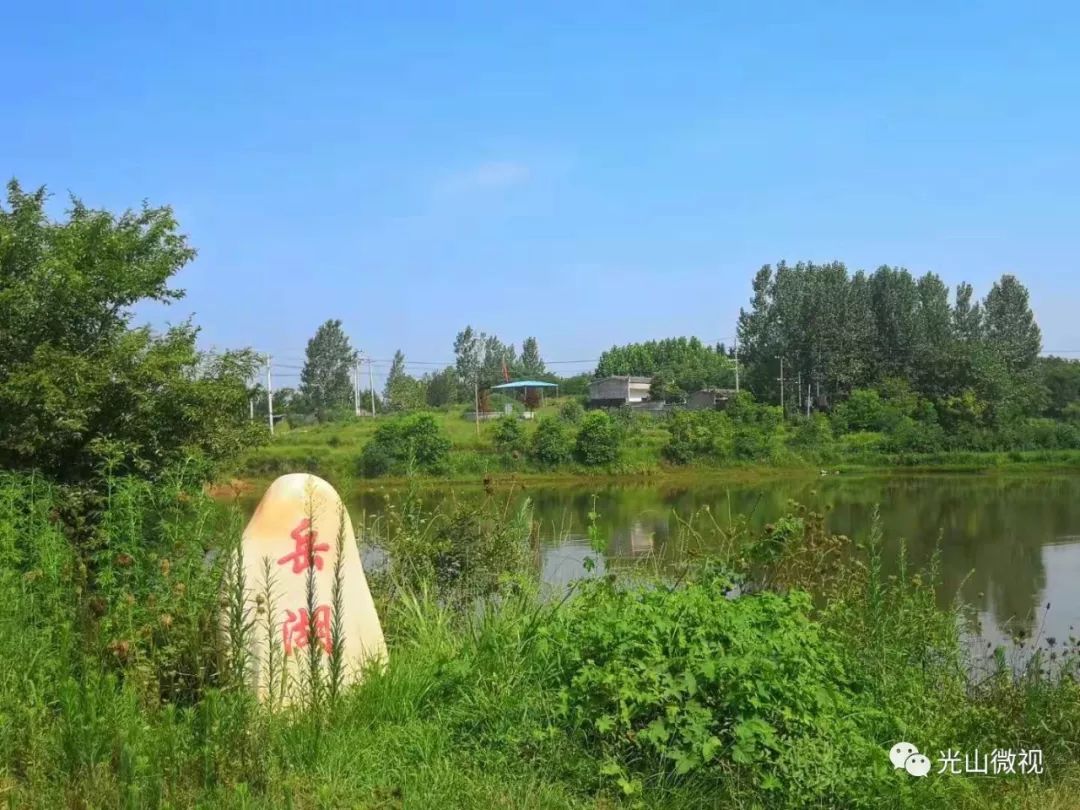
[293, 534]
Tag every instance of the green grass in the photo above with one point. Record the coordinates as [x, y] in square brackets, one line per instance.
[333, 451]
[117, 690]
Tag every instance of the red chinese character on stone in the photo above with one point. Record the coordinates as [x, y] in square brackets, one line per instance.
[306, 548]
[294, 630]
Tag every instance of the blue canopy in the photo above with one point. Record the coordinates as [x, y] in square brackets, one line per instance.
[524, 384]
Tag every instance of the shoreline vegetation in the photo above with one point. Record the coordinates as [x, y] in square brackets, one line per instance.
[336, 451]
[774, 670]
[1013, 463]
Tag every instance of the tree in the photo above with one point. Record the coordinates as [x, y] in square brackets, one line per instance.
[597, 442]
[441, 387]
[551, 442]
[496, 357]
[686, 363]
[934, 338]
[286, 400]
[530, 362]
[844, 332]
[468, 358]
[1010, 328]
[575, 386]
[509, 435]
[967, 318]
[407, 444]
[325, 381]
[1061, 379]
[480, 360]
[402, 392]
[818, 318]
[664, 389]
[894, 300]
[1013, 342]
[80, 389]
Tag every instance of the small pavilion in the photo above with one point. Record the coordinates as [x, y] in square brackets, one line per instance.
[524, 385]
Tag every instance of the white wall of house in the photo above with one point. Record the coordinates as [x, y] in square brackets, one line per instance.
[638, 391]
[624, 389]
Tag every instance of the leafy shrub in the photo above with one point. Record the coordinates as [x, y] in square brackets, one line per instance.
[407, 443]
[751, 443]
[465, 553]
[742, 410]
[965, 409]
[863, 443]
[1049, 434]
[814, 432]
[552, 443]
[509, 435]
[864, 410]
[571, 411]
[690, 438]
[688, 681]
[597, 441]
[910, 436]
[696, 435]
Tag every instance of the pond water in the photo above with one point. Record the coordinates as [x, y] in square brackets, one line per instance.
[1010, 543]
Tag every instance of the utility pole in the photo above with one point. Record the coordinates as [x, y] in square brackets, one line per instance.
[781, 378]
[356, 385]
[476, 401]
[269, 395]
[371, 387]
[736, 363]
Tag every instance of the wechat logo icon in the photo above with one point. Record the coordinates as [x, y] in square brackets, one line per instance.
[905, 755]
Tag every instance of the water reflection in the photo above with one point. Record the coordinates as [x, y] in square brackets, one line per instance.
[1008, 544]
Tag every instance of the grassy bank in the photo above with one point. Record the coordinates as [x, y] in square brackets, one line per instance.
[336, 453]
[628, 691]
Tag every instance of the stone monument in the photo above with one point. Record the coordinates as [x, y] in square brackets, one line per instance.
[290, 556]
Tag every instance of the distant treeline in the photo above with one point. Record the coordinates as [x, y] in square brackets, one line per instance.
[84, 392]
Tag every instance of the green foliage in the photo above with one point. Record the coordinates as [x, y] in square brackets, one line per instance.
[598, 440]
[813, 433]
[576, 386]
[963, 410]
[552, 443]
[466, 552]
[1061, 380]
[910, 436]
[692, 436]
[572, 411]
[753, 681]
[846, 332]
[663, 388]
[481, 358]
[750, 444]
[509, 436]
[863, 410]
[326, 380]
[1011, 331]
[79, 388]
[710, 689]
[441, 387]
[402, 392]
[530, 363]
[407, 444]
[686, 364]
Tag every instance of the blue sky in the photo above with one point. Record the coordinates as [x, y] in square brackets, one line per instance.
[590, 176]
